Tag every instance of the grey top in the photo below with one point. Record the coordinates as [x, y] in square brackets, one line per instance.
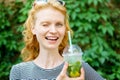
[30, 71]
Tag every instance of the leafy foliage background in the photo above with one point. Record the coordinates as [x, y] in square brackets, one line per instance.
[96, 26]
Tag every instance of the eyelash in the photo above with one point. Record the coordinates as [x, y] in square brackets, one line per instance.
[45, 25]
[57, 25]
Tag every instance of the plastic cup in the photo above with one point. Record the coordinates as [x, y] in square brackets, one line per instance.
[74, 59]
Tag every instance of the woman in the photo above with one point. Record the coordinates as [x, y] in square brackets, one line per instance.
[45, 37]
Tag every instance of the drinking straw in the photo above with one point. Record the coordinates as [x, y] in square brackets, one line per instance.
[70, 41]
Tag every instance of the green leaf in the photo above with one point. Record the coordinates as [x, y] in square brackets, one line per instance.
[102, 60]
[104, 17]
[74, 15]
[95, 2]
[90, 2]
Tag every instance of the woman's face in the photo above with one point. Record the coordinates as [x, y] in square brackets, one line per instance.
[49, 28]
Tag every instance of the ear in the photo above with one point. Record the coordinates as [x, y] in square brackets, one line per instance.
[33, 30]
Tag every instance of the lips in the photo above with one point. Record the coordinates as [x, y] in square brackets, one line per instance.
[52, 38]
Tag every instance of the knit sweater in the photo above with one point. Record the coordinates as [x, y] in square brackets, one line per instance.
[30, 71]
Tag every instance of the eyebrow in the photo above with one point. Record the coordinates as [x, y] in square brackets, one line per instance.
[44, 22]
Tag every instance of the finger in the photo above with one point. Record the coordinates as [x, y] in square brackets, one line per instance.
[82, 76]
[62, 74]
[64, 70]
[82, 72]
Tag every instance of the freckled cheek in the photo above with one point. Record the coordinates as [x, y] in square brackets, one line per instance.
[62, 32]
[40, 34]
[42, 31]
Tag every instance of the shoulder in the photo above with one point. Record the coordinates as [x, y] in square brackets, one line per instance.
[17, 70]
[23, 64]
[90, 73]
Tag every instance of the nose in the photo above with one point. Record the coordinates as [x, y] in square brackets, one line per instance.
[52, 29]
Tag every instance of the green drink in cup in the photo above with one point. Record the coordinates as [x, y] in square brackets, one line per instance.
[73, 55]
[74, 59]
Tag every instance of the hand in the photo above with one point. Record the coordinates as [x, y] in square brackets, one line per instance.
[64, 76]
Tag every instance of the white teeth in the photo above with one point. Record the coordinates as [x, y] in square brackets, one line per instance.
[51, 38]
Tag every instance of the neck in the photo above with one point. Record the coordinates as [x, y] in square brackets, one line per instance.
[48, 59]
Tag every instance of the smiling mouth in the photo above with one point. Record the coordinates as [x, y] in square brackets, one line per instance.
[52, 38]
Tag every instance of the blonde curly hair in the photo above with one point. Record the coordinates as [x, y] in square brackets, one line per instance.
[31, 49]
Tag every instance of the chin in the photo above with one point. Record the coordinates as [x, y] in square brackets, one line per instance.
[52, 46]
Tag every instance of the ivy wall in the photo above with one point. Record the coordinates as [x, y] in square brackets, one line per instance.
[96, 26]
